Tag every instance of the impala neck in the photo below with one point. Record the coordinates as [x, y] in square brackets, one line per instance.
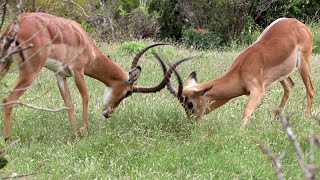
[225, 87]
[105, 70]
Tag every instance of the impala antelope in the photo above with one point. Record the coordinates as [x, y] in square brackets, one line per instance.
[62, 46]
[285, 45]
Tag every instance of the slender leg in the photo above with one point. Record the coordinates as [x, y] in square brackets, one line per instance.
[254, 99]
[287, 85]
[216, 104]
[26, 77]
[81, 85]
[305, 74]
[65, 93]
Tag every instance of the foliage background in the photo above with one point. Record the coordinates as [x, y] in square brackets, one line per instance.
[227, 22]
[149, 136]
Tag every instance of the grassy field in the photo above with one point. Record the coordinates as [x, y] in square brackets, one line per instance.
[149, 136]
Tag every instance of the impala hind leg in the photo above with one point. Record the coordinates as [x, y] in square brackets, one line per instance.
[25, 79]
[254, 99]
[287, 85]
[65, 93]
[305, 74]
[81, 85]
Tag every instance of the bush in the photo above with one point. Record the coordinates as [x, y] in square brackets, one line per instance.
[170, 19]
[142, 24]
[316, 38]
[201, 40]
[250, 32]
[131, 47]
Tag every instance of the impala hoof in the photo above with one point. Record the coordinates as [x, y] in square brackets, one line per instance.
[84, 131]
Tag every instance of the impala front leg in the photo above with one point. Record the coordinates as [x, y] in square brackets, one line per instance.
[254, 99]
[81, 85]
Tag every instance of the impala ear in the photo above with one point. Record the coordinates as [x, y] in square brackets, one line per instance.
[192, 79]
[201, 92]
[134, 74]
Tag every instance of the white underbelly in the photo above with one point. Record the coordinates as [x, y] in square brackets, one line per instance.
[283, 71]
[58, 67]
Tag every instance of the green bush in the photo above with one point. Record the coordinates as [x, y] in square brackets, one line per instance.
[316, 38]
[201, 40]
[250, 32]
[131, 47]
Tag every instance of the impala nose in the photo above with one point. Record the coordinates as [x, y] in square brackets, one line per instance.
[107, 113]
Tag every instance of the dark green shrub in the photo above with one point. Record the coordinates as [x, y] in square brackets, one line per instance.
[170, 18]
[201, 40]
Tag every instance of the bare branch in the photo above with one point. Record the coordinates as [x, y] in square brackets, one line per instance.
[314, 17]
[4, 6]
[275, 160]
[82, 9]
[20, 49]
[34, 107]
[23, 176]
[304, 166]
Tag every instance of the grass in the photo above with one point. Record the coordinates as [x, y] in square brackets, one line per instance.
[149, 136]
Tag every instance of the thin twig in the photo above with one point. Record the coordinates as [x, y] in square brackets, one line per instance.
[304, 166]
[34, 107]
[275, 160]
[20, 49]
[82, 9]
[23, 176]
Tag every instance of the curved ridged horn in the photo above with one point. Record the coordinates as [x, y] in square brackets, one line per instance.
[137, 57]
[164, 69]
[164, 81]
[170, 87]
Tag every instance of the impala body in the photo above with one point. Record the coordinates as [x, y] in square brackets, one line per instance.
[283, 46]
[62, 46]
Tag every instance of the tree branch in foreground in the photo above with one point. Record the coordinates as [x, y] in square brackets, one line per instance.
[275, 160]
[34, 107]
[307, 171]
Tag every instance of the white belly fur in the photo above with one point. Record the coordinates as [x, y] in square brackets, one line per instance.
[57, 66]
[279, 73]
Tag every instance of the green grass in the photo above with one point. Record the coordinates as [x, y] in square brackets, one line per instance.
[149, 136]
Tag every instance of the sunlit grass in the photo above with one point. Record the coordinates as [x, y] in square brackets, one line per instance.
[149, 136]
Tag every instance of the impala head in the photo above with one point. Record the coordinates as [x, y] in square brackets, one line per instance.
[193, 100]
[119, 91]
[190, 97]
[123, 89]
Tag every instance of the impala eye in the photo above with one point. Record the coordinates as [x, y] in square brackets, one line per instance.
[128, 93]
[190, 105]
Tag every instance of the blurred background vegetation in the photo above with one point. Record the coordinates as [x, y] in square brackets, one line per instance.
[202, 24]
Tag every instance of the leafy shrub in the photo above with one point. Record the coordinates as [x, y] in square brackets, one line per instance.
[250, 32]
[316, 38]
[201, 40]
[170, 18]
[131, 47]
[142, 24]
